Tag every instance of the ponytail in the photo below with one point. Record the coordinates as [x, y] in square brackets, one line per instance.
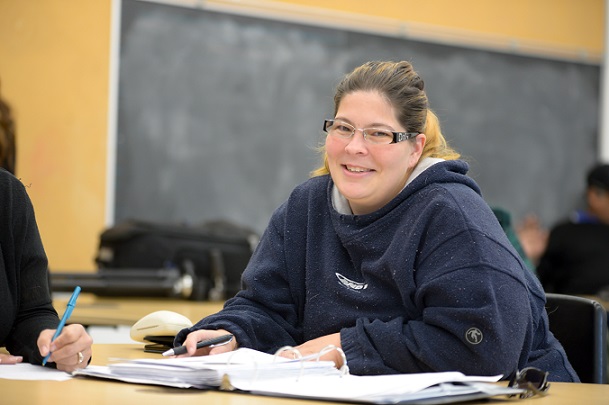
[435, 144]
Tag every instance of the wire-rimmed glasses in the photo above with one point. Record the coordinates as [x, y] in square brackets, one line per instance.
[377, 136]
[532, 380]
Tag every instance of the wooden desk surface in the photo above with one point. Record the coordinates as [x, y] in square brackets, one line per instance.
[79, 391]
[93, 310]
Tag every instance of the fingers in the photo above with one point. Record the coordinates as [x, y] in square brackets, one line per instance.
[290, 354]
[72, 362]
[315, 346]
[10, 359]
[222, 348]
[65, 350]
[44, 341]
[194, 337]
[191, 342]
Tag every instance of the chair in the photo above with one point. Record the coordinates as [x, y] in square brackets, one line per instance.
[580, 325]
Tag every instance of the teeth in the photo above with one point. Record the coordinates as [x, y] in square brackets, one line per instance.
[357, 169]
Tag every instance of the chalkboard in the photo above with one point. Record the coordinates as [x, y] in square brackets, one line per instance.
[219, 115]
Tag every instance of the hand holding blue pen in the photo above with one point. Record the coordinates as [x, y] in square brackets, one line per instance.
[64, 319]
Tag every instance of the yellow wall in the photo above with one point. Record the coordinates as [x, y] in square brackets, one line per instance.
[54, 71]
[577, 24]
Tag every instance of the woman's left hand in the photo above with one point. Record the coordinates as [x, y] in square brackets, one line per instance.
[6, 358]
[71, 349]
[314, 346]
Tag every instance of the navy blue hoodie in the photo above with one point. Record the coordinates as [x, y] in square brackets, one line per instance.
[429, 282]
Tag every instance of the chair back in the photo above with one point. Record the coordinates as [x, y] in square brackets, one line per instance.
[580, 325]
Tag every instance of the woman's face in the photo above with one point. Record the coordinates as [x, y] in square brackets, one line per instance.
[370, 175]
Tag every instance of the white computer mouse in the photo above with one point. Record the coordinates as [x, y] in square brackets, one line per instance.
[159, 323]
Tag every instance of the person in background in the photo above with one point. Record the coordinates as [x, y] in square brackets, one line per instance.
[515, 238]
[389, 253]
[576, 259]
[28, 319]
[533, 237]
[8, 148]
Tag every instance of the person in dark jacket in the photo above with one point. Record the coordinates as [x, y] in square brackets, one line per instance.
[576, 259]
[28, 319]
[389, 253]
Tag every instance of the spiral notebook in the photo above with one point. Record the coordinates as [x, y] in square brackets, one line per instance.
[254, 372]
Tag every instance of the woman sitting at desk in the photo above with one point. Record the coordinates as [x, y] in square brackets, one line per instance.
[390, 253]
[28, 319]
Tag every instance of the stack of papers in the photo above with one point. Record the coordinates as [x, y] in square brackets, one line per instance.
[244, 365]
[264, 374]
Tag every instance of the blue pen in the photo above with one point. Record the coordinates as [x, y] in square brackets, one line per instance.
[64, 319]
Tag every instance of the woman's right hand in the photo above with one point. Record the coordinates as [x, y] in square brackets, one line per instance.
[194, 337]
[9, 359]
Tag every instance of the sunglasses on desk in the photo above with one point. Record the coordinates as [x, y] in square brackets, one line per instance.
[532, 380]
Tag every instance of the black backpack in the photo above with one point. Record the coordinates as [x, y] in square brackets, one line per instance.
[208, 258]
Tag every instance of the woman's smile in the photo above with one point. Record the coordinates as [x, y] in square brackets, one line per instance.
[357, 169]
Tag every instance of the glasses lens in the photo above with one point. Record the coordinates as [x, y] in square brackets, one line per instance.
[379, 136]
[534, 376]
[340, 129]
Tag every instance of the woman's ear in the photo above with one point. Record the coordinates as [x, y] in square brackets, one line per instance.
[418, 144]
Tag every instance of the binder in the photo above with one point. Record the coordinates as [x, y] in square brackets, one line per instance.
[250, 371]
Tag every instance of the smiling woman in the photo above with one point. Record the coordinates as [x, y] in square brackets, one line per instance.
[390, 254]
[389, 98]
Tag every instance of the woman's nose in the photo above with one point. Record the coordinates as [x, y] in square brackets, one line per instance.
[357, 142]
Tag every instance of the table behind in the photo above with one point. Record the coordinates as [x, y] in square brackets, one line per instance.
[111, 311]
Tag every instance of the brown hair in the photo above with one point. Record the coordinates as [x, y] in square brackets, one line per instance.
[404, 89]
[7, 138]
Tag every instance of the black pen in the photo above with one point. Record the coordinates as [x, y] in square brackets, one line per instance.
[216, 341]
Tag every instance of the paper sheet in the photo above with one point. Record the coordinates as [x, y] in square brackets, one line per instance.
[26, 371]
[362, 388]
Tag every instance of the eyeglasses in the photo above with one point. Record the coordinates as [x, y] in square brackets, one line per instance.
[341, 129]
[532, 380]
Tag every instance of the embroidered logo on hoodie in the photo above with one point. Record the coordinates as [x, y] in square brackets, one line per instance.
[353, 285]
[473, 336]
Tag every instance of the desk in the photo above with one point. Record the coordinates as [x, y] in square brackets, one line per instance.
[112, 311]
[79, 391]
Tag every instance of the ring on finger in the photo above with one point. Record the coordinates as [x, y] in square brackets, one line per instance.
[81, 358]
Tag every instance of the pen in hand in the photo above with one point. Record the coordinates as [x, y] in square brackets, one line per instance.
[216, 341]
[64, 319]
